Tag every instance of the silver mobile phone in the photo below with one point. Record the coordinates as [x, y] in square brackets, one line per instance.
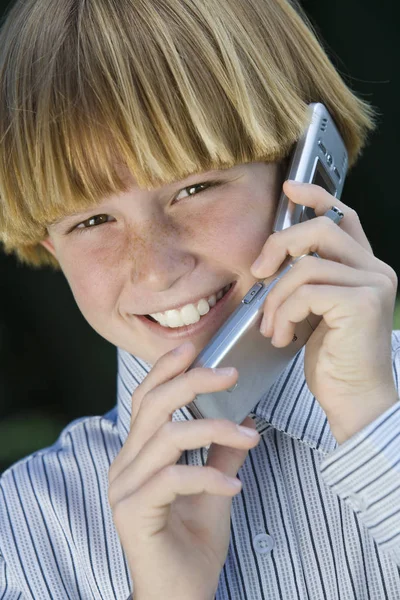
[319, 157]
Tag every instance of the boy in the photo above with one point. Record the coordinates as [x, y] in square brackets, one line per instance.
[112, 116]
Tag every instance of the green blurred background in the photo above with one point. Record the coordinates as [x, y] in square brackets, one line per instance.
[55, 368]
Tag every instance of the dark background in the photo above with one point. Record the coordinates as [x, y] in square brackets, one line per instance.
[55, 368]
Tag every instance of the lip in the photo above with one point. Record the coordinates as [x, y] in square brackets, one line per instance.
[215, 317]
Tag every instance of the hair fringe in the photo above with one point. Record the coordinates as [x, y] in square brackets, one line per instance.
[166, 89]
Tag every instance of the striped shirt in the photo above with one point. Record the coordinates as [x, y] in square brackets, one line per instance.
[314, 520]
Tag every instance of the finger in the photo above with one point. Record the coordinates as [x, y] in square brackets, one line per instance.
[167, 445]
[319, 235]
[228, 460]
[174, 394]
[356, 306]
[313, 270]
[167, 367]
[316, 197]
[159, 403]
[148, 507]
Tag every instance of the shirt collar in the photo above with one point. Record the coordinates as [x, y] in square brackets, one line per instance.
[288, 406]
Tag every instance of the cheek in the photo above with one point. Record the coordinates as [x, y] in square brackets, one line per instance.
[234, 231]
[93, 278]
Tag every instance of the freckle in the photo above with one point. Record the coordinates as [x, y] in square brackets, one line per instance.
[137, 241]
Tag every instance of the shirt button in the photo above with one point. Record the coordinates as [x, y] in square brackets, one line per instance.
[358, 502]
[263, 543]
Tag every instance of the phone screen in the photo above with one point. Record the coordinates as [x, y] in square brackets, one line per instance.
[321, 178]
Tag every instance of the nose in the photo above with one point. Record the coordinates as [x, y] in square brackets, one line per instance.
[159, 257]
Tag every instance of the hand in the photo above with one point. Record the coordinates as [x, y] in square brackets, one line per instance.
[174, 520]
[348, 365]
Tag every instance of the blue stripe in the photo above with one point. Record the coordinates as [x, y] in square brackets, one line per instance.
[130, 371]
[369, 459]
[266, 528]
[237, 559]
[388, 470]
[318, 485]
[361, 441]
[395, 374]
[226, 581]
[308, 419]
[103, 439]
[128, 583]
[383, 497]
[287, 378]
[321, 435]
[386, 518]
[101, 508]
[126, 388]
[380, 571]
[344, 538]
[283, 471]
[4, 578]
[184, 415]
[84, 512]
[295, 404]
[13, 535]
[47, 530]
[274, 482]
[308, 519]
[246, 516]
[389, 539]
[65, 489]
[362, 554]
[55, 512]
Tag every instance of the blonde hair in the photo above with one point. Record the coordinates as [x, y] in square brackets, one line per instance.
[165, 87]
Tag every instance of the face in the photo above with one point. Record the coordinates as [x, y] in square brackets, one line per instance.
[144, 252]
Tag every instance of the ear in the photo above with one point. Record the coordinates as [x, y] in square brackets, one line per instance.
[48, 244]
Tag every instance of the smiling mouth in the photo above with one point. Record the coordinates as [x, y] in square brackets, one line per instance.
[211, 306]
[211, 319]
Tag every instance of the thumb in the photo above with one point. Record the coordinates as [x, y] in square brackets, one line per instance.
[226, 459]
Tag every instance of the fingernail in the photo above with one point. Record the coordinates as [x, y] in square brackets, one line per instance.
[247, 431]
[292, 181]
[264, 325]
[224, 371]
[234, 482]
[256, 264]
[181, 349]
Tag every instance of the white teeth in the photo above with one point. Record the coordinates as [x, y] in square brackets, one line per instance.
[212, 300]
[174, 318]
[203, 307]
[190, 313]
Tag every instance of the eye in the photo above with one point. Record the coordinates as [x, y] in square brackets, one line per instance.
[92, 222]
[191, 189]
[97, 220]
